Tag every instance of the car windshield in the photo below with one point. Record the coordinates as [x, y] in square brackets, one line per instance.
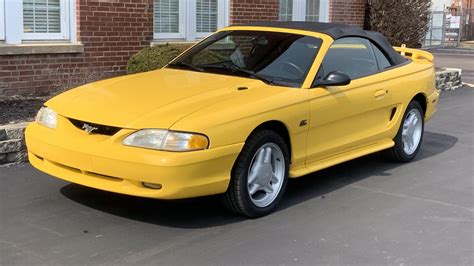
[273, 57]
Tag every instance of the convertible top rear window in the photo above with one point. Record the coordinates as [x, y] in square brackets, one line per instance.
[273, 57]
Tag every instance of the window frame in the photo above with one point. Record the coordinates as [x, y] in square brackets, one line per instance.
[188, 19]
[62, 35]
[14, 29]
[181, 29]
[2, 20]
[220, 19]
[318, 16]
[322, 73]
[299, 10]
[286, 14]
[377, 58]
[223, 35]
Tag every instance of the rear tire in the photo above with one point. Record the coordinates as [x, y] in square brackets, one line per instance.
[259, 176]
[409, 136]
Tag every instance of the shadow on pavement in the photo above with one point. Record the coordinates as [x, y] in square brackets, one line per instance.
[208, 211]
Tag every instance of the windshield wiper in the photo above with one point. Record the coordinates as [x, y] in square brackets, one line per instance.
[254, 75]
[184, 64]
[235, 68]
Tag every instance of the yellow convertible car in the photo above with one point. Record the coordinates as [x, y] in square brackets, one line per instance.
[239, 113]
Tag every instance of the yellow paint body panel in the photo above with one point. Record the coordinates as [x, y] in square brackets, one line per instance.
[103, 162]
[343, 123]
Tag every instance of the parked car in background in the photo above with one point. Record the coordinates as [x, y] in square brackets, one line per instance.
[239, 113]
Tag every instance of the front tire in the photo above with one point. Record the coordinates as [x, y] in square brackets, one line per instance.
[259, 175]
[409, 136]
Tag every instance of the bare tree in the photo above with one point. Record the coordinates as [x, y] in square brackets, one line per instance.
[401, 21]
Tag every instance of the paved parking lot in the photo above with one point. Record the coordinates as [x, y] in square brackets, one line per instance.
[366, 211]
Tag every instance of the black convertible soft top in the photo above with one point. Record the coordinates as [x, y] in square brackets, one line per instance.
[336, 31]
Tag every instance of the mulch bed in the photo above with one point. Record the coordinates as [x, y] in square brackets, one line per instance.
[19, 109]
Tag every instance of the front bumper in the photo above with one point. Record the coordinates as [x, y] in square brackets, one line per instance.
[102, 162]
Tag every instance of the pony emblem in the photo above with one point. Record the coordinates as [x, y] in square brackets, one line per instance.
[88, 128]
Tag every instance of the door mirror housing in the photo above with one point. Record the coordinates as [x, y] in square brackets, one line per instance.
[334, 78]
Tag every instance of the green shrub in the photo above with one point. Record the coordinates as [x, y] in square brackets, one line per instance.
[155, 57]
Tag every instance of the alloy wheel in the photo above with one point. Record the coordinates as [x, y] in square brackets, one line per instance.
[412, 131]
[266, 174]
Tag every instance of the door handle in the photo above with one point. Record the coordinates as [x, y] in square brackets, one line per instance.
[379, 94]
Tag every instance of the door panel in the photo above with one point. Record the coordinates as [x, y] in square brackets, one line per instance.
[345, 118]
[348, 117]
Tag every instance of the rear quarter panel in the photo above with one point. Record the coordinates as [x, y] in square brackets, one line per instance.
[405, 82]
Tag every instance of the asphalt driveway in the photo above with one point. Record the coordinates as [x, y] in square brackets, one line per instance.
[366, 211]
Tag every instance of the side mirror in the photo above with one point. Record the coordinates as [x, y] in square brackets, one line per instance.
[334, 78]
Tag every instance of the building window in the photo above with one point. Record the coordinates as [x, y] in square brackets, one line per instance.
[189, 19]
[286, 10]
[43, 19]
[168, 18]
[2, 20]
[206, 16]
[304, 10]
[37, 20]
[312, 10]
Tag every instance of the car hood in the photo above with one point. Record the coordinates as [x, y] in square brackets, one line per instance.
[155, 99]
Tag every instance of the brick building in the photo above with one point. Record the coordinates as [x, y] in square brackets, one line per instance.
[46, 45]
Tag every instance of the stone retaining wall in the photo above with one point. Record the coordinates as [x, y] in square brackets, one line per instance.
[448, 79]
[12, 144]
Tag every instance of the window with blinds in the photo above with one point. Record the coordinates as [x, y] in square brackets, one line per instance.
[286, 10]
[312, 10]
[166, 16]
[206, 16]
[41, 16]
[188, 19]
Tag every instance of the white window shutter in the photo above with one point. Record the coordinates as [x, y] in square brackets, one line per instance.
[206, 16]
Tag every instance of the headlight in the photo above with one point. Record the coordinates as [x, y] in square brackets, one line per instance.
[47, 117]
[166, 140]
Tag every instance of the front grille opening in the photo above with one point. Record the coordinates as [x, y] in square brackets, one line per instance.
[107, 177]
[69, 168]
[87, 173]
[96, 128]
